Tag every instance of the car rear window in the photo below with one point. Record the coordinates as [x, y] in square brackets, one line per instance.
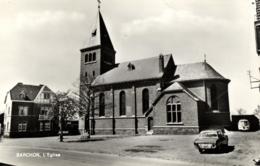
[208, 134]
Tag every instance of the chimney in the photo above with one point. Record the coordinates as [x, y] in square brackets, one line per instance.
[161, 63]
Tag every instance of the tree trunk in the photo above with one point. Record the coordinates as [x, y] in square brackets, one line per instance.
[87, 128]
[61, 129]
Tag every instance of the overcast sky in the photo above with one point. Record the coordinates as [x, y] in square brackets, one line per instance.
[40, 40]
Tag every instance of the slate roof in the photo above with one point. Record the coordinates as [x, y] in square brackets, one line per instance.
[99, 35]
[177, 86]
[143, 69]
[197, 71]
[30, 91]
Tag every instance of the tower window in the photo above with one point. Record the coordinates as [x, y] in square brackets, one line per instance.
[86, 74]
[90, 57]
[94, 73]
[86, 58]
[94, 56]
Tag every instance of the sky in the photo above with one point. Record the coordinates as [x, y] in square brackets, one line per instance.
[40, 40]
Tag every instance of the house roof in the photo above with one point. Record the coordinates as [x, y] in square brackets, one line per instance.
[29, 91]
[197, 71]
[133, 71]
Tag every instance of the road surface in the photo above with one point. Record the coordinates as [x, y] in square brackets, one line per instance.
[24, 156]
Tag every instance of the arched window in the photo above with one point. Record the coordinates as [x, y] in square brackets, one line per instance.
[94, 56]
[86, 58]
[145, 99]
[122, 103]
[90, 57]
[173, 109]
[214, 97]
[101, 104]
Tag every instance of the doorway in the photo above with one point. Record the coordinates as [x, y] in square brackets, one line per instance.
[150, 123]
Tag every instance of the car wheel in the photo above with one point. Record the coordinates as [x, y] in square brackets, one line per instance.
[201, 150]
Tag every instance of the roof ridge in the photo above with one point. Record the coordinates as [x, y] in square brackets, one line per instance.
[136, 60]
[191, 63]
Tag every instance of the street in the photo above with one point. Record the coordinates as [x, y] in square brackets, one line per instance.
[127, 150]
[22, 156]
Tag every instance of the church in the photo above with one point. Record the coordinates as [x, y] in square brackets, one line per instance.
[153, 95]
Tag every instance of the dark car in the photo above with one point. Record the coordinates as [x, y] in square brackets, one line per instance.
[211, 140]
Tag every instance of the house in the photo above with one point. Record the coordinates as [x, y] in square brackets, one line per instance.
[28, 111]
[152, 95]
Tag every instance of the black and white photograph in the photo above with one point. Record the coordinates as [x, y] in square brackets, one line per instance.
[130, 82]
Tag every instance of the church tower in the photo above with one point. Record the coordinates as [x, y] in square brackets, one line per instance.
[99, 55]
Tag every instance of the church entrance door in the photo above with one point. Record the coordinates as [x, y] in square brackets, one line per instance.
[150, 123]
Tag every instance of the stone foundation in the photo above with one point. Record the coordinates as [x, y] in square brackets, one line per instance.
[175, 130]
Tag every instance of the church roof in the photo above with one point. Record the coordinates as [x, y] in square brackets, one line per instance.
[196, 71]
[29, 91]
[133, 71]
[177, 86]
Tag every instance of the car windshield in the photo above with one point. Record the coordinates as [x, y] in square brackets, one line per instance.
[208, 134]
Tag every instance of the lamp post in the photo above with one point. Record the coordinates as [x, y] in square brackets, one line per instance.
[61, 118]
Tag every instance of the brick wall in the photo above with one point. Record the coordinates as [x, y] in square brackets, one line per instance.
[91, 66]
[189, 109]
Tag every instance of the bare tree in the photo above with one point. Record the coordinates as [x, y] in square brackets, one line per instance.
[86, 106]
[67, 108]
[86, 96]
[241, 111]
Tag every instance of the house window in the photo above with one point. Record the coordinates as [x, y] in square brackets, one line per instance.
[173, 109]
[41, 126]
[22, 127]
[44, 111]
[47, 126]
[214, 97]
[101, 104]
[23, 111]
[122, 103]
[145, 98]
[94, 73]
[46, 95]
[86, 74]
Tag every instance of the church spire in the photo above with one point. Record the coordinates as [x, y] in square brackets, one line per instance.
[98, 56]
[99, 35]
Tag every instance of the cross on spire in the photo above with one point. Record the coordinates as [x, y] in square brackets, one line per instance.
[99, 3]
[205, 58]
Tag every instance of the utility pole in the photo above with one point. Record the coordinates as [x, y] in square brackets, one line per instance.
[254, 82]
